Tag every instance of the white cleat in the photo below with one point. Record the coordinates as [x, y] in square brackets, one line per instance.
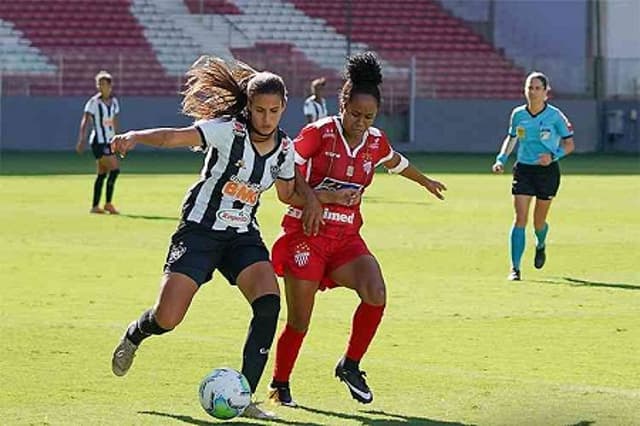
[123, 356]
[254, 412]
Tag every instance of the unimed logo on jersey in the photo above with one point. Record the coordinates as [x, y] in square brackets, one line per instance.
[242, 191]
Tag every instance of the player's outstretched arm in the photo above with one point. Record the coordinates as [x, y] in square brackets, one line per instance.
[160, 138]
[399, 164]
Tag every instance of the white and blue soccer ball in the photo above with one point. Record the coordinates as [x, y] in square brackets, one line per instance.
[224, 393]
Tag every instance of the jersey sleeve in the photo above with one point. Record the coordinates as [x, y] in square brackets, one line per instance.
[287, 171]
[307, 144]
[90, 107]
[563, 126]
[385, 151]
[116, 106]
[214, 132]
[512, 124]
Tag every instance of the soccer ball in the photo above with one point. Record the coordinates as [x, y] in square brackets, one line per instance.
[224, 393]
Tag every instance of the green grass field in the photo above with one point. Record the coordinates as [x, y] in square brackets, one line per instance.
[459, 345]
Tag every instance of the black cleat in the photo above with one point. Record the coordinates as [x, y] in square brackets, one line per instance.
[540, 258]
[354, 379]
[514, 275]
[280, 394]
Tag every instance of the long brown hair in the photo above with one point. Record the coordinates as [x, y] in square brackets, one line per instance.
[216, 88]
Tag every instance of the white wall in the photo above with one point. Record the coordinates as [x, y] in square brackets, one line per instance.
[621, 46]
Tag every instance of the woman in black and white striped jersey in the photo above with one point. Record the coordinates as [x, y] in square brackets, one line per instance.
[246, 153]
[101, 111]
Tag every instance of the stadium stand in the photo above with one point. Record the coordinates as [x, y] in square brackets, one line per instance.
[453, 61]
[83, 36]
[54, 47]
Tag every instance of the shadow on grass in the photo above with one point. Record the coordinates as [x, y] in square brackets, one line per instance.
[585, 283]
[583, 423]
[193, 421]
[365, 418]
[148, 217]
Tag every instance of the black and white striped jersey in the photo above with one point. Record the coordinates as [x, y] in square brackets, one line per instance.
[315, 109]
[103, 116]
[234, 176]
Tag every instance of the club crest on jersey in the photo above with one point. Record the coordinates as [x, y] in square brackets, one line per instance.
[301, 255]
[375, 144]
[240, 164]
[239, 129]
[367, 166]
[176, 252]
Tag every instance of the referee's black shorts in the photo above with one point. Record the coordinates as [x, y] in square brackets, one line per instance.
[100, 150]
[541, 182]
[197, 251]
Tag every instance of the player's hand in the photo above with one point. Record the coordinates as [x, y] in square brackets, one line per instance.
[544, 159]
[497, 167]
[436, 188]
[346, 197]
[312, 216]
[121, 144]
[79, 147]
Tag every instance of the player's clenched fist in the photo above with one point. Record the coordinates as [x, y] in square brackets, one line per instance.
[121, 144]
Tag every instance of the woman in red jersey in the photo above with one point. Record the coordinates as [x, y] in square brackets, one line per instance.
[338, 155]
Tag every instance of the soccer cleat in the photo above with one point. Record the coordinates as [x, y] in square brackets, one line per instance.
[540, 258]
[281, 395]
[514, 275]
[110, 208]
[355, 381]
[123, 356]
[254, 412]
[97, 210]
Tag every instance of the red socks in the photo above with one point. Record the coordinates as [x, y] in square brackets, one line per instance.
[365, 324]
[287, 350]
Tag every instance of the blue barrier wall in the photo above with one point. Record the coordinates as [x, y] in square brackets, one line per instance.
[51, 123]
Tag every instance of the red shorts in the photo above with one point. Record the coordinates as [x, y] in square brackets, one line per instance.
[314, 258]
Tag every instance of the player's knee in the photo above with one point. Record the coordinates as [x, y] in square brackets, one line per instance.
[266, 307]
[168, 319]
[521, 221]
[299, 323]
[373, 293]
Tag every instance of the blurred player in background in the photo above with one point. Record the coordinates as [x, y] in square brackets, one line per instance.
[246, 153]
[544, 136]
[338, 155]
[315, 106]
[101, 111]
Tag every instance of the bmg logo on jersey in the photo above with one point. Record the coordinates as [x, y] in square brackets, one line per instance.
[248, 193]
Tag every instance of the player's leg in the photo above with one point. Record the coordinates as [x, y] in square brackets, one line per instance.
[258, 284]
[300, 295]
[547, 185]
[114, 170]
[190, 262]
[363, 275]
[101, 174]
[541, 227]
[176, 293]
[517, 237]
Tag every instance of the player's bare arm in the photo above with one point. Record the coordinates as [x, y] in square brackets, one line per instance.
[84, 123]
[160, 138]
[400, 165]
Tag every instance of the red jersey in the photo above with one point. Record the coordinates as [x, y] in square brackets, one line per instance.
[326, 160]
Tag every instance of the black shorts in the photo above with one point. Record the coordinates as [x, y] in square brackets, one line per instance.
[100, 150]
[539, 181]
[197, 251]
